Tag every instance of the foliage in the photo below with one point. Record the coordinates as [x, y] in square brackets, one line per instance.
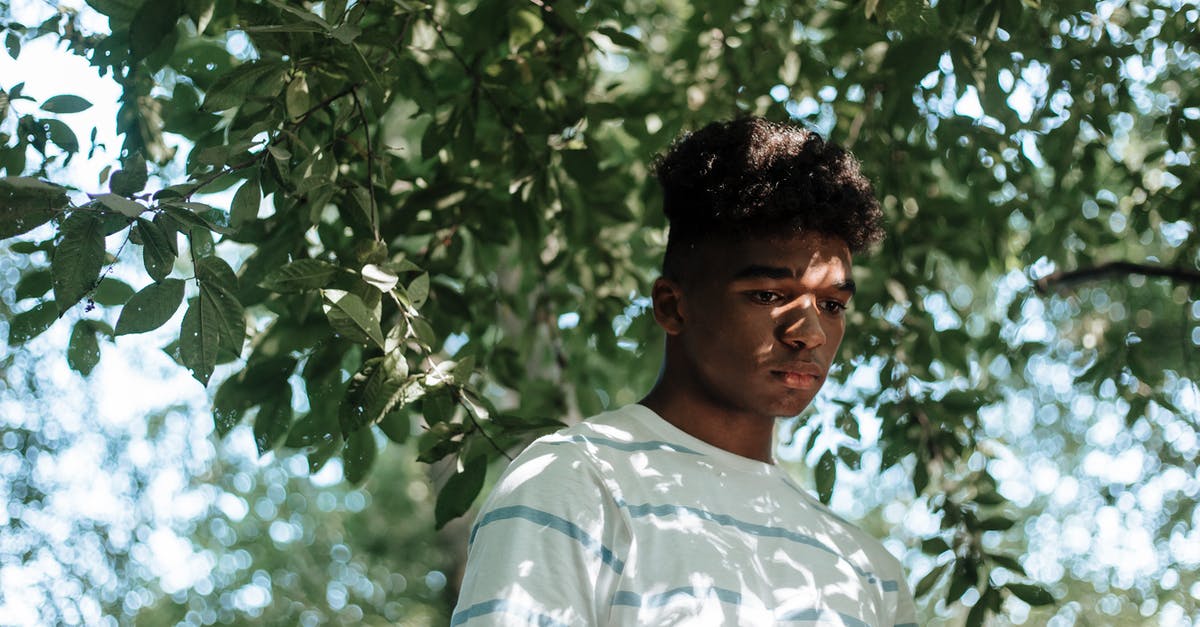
[388, 212]
[173, 533]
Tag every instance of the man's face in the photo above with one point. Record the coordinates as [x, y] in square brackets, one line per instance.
[761, 320]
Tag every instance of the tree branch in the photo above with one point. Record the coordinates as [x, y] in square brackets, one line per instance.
[1067, 279]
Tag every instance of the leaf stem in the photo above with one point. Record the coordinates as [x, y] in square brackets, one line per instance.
[460, 395]
[370, 163]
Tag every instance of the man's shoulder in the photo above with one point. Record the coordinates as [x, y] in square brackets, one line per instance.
[599, 447]
[619, 431]
[571, 465]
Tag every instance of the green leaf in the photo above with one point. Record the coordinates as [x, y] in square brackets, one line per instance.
[620, 38]
[83, 353]
[850, 457]
[151, 307]
[350, 317]
[245, 203]
[218, 286]
[345, 34]
[112, 292]
[847, 422]
[989, 497]
[920, 477]
[121, 11]
[964, 577]
[927, 582]
[77, 259]
[28, 248]
[198, 342]
[996, 523]
[214, 320]
[1034, 595]
[121, 205]
[132, 176]
[1008, 562]
[159, 248]
[66, 103]
[359, 455]
[311, 429]
[322, 452]
[12, 43]
[977, 614]
[438, 406]
[33, 284]
[438, 441]
[373, 391]
[300, 275]
[424, 331]
[184, 213]
[27, 203]
[151, 25]
[30, 324]
[459, 492]
[296, 99]
[934, 546]
[826, 475]
[418, 290]
[303, 14]
[273, 420]
[397, 426]
[61, 135]
[232, 89]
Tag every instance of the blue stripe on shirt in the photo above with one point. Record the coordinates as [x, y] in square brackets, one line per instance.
[638, 511]
[633, 599]
[628, 447]
[557, 523]
[502, 606]
[731, 597]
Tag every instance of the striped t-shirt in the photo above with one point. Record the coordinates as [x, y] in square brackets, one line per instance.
[624, 519]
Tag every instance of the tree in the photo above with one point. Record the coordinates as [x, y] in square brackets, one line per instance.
[440, 212]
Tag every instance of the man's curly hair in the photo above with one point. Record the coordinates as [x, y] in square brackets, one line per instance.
[752, 177]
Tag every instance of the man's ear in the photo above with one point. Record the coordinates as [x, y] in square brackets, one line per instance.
[667, 298]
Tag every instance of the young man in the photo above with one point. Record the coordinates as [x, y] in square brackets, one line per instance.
[671, 510]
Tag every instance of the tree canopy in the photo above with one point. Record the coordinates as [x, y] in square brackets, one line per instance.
[434, 220]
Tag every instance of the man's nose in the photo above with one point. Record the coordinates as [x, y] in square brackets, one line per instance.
[801, 326]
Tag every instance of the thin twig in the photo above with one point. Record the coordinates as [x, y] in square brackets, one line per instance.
[477, 84]
[117, 257]
[1067, 279]
[362, 115]
[324, 103]
[201, 183]
[461, 396]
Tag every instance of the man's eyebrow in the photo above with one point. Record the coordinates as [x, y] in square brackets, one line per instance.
[756, 271]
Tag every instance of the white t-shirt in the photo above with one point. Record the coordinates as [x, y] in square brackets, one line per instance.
[624, 519]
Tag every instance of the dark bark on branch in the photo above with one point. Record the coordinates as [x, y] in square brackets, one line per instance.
[1068, 279]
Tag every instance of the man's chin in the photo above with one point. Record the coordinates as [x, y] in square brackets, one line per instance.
[791, 407]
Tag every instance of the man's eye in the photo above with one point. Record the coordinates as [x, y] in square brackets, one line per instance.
[835, 307]
[766, 298]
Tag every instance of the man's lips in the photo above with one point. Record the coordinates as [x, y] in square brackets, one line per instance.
[800, 376]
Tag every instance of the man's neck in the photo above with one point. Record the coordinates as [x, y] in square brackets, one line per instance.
[739, 433]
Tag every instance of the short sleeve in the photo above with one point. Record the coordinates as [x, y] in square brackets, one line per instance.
[906, 607]
[548, 546]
